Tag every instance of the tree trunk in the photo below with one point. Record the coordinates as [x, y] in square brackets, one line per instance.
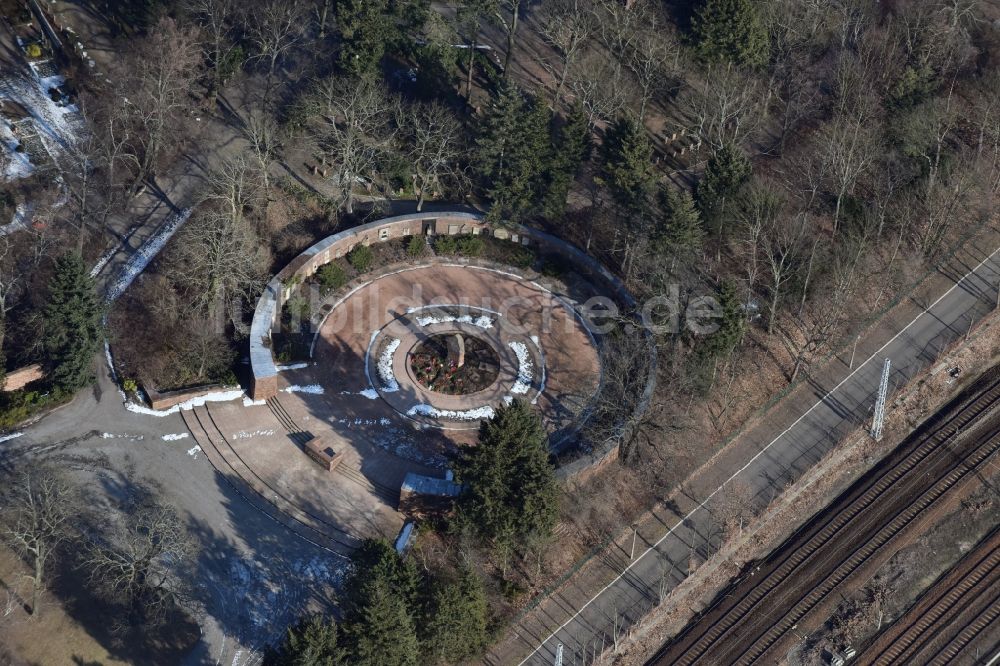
[560, 84]
[36, 584]
[322, 18]
[836, 213]
[472, 65]
[805, 285]
[515, 13]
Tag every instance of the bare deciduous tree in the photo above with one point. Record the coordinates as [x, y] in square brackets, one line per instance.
[602, 92]
[728, 108]
[849, 146]
[236, 186]
[274, 28]
[434, 146]
[137, 560]
[38, 505]
[264, 136]
[219, 260]
[566, 25]
[219, 43]
[154, 90]
[352, 127]
[507, 14]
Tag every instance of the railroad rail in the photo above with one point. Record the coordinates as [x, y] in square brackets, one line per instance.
[769, 599]
[948, 617]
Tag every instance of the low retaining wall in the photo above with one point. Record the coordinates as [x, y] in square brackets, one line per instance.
[268, 312]
[166, 400]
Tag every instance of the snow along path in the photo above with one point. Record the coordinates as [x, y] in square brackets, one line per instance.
[137, 262]
[58, 126]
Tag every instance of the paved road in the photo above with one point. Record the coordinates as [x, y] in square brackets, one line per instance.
[784, 450]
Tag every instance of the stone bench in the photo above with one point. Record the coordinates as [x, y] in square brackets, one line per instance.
[322, 454]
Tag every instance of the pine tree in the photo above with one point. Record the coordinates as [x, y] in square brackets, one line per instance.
[376, 560]
[368, 28]
[379, 603]
[730, 323]
[312, 642]
[455, 624]
[570, 150]
[679, 231]
[381, 633]
[730, 30]
[511, 490]
[512, 153]
[72, 324]
[728, 169]
[628, 166]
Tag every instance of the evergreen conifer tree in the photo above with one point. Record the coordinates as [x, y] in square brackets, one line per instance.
[513, 153]
[570, 150]
[72, 324]
[628, 166]
[680, 231]
[728, 169]
[730, 30]
[312, 642]
[455, 627]
[380, 600]
[510, 484]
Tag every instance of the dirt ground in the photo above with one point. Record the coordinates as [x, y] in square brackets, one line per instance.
[30, 637]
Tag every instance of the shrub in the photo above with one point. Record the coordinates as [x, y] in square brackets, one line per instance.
[522, 258]
[415, 246]
[297, 307]
[445, 245]
[129, 385]
[18, 406]
[361, 258]
[331, 277]
[470, 246]
[33, 51]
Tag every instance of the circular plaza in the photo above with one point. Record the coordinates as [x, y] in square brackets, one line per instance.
[397, 365]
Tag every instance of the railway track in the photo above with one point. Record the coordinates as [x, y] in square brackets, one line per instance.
[769, 600]
[259, 492]
[947, 618]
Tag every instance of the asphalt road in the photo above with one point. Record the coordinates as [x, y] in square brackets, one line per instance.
[784, 450]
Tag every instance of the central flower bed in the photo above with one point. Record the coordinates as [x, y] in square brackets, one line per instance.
[454, 364]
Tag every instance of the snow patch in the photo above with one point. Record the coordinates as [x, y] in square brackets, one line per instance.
[541, 356]
[200, 401]
[292, 366]
[193, 451]
[482, 321]
[10, 436]
[369, 393]
[484, 412]
[175, 437]
[242, 434]
[137, 262]
[525, 368]
[250, 402]
[385, 366]
[314, 389]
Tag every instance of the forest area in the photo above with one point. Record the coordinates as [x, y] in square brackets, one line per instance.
[804, 162]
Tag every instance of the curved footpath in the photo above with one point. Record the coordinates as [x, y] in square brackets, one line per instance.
[610, 592]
